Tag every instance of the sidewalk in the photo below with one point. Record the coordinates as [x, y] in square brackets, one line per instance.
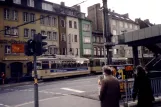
[94, 96]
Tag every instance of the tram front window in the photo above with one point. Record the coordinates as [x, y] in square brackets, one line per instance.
[39, 66]
[53, 66]
[45, 66]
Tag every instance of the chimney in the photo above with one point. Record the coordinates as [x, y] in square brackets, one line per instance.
[77, 7]
[113, 11]
[147, 21]
[109, 10]
[126, 15]
[62, 3]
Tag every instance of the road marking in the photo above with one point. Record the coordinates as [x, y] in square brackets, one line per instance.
[1, 104]
[69, 89]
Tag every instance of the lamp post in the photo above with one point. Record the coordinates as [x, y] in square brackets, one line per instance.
[107, 33]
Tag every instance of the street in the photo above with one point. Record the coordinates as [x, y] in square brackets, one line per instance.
[72, 92]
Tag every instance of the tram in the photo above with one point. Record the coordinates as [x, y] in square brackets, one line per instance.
[96, 64]
[61, 66]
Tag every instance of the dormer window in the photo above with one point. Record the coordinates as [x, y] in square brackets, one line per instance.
[30, 3]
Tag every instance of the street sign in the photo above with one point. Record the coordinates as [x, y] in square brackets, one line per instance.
[17, 48]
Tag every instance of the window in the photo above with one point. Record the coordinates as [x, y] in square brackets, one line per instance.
[75, 24]
[15, 15]
[42, 20]
[121, 24]
[43, 32]
[86, 27]
[25, 17]
[46, 6]
[95, 51]
[115, 51]
[75, 38]
[113, 39]
[26, 32]
[7, 30]
[70, 24]
[126, 25]
[11, 31]
[87, 51]
[50, 50]
[113, 22]
[130, 26]
[101, 39]
[17, 1]
[87, 40]
[32, 17]
[98, 51]
[7, 49]
[76, 51]
[55, 50]
[54, 22]
[49, 35]
[33, 32]
[54, 35]
[6, 13]
[63, 37]
[30, 3]
[114, 32]
[128, 52]
[14, 31]
[102, 51]
[62, 23]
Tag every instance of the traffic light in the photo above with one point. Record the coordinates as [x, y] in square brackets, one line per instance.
[30, 47]
[40, 49]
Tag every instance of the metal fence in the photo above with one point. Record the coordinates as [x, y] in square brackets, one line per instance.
[127, 88]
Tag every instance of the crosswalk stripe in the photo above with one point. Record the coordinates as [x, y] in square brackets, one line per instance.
[74, 90]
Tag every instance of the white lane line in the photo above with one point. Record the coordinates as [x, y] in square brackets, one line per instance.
[1, 104]
[69, 89]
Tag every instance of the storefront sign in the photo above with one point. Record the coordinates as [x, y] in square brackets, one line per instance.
[12, 41]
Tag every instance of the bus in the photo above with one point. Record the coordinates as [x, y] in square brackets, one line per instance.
[50, 67]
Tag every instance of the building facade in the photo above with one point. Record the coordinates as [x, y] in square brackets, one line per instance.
[72, 37]
[85, 38]
[59, 22]
[118, 24]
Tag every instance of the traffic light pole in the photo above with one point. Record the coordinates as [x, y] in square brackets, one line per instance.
[107, 33]
[36, 97]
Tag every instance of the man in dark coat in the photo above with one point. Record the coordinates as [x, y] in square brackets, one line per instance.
[110, 90]
[142, 88]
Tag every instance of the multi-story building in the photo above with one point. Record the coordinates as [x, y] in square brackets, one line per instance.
[72, 37]
[49, 27]
[85, 38]
[59, 22]
[118, 24]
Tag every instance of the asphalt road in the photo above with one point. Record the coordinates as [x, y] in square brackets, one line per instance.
[71, 92]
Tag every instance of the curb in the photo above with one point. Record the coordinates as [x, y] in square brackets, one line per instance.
[17, 84]
[134, 104]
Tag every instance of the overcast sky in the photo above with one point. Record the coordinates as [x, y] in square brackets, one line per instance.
[144, 9]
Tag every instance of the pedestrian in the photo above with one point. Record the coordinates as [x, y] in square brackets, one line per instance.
[3, 77]
[110, 89]
[142, 88]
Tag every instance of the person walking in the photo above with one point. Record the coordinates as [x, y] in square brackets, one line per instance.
[142, 88]
[110, 89]
[3, 77]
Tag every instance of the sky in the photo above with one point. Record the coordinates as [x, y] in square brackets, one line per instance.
[144, 9]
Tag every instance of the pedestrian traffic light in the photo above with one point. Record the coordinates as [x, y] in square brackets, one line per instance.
[39, 39]
[30, 47]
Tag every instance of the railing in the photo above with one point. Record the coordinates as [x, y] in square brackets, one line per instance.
[128, 88]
